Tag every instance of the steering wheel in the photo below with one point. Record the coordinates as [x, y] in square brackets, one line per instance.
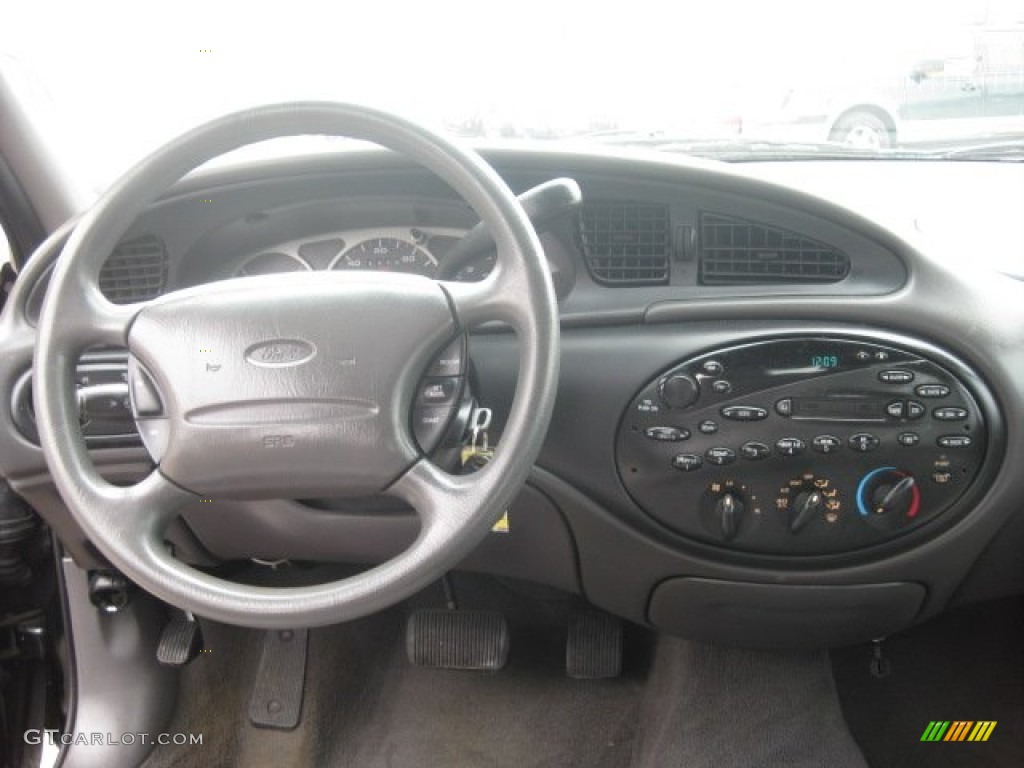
[297, 385]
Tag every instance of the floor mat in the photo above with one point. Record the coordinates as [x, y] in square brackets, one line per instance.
[967, 665]
[718, 707]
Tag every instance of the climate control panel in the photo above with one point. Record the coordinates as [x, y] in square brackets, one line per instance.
[801, 446]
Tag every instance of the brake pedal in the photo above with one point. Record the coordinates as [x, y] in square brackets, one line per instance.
[181, 640]
[281, 680]
[594, 646]
[453, 639]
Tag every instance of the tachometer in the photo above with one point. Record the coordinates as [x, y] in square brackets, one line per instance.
[270, 263]
[388, 254]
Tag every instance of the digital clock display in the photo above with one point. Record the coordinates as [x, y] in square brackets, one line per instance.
[824, 361]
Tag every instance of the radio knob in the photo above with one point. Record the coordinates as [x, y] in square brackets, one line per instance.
[678, 390]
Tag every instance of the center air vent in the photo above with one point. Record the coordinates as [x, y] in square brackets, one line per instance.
[135, 271]
[626, 243]
[734, 250]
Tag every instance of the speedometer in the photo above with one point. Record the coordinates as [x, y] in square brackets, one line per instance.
[388, 254]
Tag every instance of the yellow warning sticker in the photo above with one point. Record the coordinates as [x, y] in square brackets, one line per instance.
[502, 525]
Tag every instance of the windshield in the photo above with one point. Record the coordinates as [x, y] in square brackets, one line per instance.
[739, 79]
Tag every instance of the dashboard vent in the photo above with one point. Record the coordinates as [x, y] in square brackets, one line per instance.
[135, 271]
[734, 250]
[626, 243]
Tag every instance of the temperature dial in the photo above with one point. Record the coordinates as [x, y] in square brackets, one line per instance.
[890, 493]
[806, 499]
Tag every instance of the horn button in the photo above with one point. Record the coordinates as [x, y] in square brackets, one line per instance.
[285, 385]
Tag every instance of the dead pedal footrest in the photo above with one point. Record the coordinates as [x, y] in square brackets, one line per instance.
[457, 639]
[281, 680]
[594, 646]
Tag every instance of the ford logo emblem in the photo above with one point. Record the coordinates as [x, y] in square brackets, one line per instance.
[280, 353]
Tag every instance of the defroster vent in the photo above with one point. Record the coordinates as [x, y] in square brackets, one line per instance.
[135, 271]
[626, 243]
[734, 250]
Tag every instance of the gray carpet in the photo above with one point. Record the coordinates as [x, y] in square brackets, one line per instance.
[718, 707]
[366, 707]
[965, 665]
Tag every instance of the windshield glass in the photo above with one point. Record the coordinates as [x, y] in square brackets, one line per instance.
[738, 79]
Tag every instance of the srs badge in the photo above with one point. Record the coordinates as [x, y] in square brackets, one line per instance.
[280, 353]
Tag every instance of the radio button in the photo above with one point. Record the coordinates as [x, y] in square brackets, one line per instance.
[954, 441]
[896, 409]
[790, 446]
[755, 451]
[721, 387]
[915, 410]
[931, 390]
[687, 462]
[864, 442]
[949, 414]
[826, 443]
[667, 434]
[908, 439]
[720, 456]
[708, 427]
[895, 376]
[712, 367]
[784, 407]
[744, 413]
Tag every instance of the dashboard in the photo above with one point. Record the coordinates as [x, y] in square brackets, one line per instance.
[779, 421]
[409, 250]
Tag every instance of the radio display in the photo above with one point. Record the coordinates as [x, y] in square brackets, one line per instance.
[824, 361]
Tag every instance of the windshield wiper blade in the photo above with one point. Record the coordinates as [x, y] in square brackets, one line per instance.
[1007, 150]
[762, 149]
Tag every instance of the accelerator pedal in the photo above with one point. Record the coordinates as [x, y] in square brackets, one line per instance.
[181, 640]
[594, 646]
[453, 639]
[281, 680]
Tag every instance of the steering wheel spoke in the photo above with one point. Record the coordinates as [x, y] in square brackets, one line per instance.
[436, 495]
[503, 296]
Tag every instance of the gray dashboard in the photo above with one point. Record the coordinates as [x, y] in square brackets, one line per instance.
[577, 526]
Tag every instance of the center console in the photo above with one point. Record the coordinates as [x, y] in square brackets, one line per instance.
[802, 446]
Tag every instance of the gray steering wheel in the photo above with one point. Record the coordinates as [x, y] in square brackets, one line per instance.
[312, 385]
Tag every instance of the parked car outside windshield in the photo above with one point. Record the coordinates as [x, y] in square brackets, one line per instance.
[962, 85]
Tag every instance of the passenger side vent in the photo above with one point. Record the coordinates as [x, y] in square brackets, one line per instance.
[626, 243]
[135, 271]
[734, 250]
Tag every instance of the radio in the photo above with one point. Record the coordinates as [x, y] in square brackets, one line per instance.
[801, 446]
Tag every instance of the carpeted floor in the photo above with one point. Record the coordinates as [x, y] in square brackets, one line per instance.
[366, 707]
[681, 704]
[965, 665]
[710, 706]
